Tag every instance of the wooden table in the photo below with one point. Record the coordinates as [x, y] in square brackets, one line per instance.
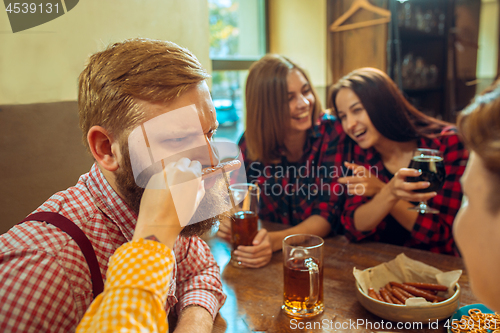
[254, 296]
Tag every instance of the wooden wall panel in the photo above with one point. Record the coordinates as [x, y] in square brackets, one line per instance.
[41, 152]
[361, 47]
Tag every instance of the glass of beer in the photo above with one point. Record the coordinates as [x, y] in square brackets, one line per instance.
[430, 163]
[303, 276]
[244, 218]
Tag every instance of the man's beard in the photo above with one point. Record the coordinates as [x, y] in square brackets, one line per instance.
[213, 201]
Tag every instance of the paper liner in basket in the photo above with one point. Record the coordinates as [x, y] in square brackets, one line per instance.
[403, 269]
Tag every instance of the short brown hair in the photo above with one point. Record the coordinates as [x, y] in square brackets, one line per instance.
[389, 111]
[267, 108]
[115, 79]
[479, 126]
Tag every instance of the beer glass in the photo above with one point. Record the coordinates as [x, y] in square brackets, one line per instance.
[244, 218]
[303, 276]
[430, 163]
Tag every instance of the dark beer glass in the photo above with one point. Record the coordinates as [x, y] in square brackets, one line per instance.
[244, 228]
[430, 163]
[244, 217]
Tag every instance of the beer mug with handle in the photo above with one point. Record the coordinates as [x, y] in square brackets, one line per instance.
[303, 276]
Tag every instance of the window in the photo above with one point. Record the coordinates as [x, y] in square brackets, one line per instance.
[238, 37]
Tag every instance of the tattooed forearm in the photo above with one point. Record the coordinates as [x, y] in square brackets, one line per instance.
[153, 238]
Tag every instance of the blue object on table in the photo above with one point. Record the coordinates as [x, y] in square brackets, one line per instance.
[464, 311]
[226, 112]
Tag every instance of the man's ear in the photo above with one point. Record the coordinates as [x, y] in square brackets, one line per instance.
[103, 147]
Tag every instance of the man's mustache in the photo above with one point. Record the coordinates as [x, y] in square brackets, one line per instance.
[200, 154]
[208, 171]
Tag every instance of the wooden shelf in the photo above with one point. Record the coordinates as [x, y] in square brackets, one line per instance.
[422, 90]
[417, 50]
[419, 35]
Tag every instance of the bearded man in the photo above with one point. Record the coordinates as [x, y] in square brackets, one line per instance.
[48, 280]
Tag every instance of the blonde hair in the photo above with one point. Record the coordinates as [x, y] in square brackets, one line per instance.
[267, 107]
[479, 126]
[116, 79]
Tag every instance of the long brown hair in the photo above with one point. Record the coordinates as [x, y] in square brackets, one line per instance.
[391, 114]
[115, 79]
[479, 127]
[267, 108]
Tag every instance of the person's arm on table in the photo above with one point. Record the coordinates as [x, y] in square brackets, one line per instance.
[199, 286]
[139, 272]
[314, 225]
[194, 319]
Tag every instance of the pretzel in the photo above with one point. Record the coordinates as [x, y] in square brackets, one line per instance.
[477, 322]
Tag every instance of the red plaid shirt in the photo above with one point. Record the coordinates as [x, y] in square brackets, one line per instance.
[45, 283]
[431, 232]
[292, 192]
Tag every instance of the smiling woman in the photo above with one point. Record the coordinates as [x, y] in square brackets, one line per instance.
[386, 129]
[287, 130]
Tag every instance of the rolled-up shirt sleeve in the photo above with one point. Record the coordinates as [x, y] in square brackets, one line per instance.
[198, 276]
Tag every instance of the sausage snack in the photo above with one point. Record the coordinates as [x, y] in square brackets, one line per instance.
[373, 294]
[427, 286]
[418, 292]
[398, 293]
[226, 166]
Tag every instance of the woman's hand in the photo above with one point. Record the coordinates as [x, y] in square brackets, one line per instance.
[362, 182]
[392, 199]
[257, 255]
[401, 189]
[224, 231]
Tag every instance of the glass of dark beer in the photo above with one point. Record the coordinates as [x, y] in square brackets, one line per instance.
[430, 163]
[244, 218]
[303, 276]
